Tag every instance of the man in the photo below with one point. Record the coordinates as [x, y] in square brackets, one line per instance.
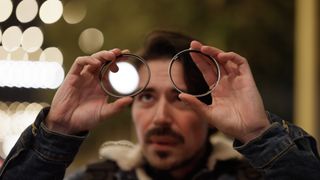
[173, 129]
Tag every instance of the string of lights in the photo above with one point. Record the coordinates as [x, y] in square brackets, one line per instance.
[26, 62]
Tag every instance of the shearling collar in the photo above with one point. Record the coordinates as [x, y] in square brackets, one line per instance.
[129, 156]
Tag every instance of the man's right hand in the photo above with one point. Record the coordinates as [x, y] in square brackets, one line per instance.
[80, 104]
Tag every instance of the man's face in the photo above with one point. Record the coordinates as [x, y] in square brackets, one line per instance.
[168, 130]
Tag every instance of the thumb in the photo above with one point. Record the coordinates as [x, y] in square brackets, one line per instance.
[198, 106]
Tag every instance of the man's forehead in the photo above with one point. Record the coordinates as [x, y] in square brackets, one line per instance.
[159, 77]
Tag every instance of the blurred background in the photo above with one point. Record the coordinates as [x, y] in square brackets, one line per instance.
[40, 39]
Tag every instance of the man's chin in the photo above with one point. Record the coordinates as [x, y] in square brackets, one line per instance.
[162, 160]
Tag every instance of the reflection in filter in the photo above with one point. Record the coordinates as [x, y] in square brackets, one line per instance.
[199, 71]
[129, 79]
[125, 80]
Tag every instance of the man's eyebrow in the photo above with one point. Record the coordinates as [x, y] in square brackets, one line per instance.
[149, 89]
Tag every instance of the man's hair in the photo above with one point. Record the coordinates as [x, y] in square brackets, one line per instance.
[165, 44]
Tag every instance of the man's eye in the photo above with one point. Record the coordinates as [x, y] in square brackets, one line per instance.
[146, 97]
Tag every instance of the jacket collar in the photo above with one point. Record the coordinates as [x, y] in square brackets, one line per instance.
[128, 156]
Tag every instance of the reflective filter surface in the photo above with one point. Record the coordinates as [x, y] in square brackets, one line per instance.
[200, 72]
[127, 76]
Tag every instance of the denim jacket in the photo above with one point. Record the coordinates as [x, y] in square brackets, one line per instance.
[284, 151]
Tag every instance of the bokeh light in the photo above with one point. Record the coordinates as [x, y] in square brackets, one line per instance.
[51, 11]
[3, 53]
[51, 54]
[74, 11]
[15, 117]
[11, 38]
[91, 40]
[5, 9]
[27, 10]
[18, 54]
[30, 74]
[32, 39]
[35, 56]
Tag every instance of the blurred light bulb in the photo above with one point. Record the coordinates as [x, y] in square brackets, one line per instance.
[32, 39]
[27, 10]
[91, 40]
[5, 9]
[3, 53]
[74, 11]
[35, 56]
[18, 54]
[51, 11]
[30, 74]
[52, 54]
[11, 38]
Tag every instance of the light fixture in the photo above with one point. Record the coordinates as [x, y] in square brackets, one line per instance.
[15, 118]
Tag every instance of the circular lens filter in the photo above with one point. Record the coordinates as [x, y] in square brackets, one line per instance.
[128, 75]
[194, 72]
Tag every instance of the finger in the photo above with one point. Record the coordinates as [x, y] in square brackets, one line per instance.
[231, 56]
[110, 109]
[195, 45]
[195, 104]
[207, 68]
[111, 55]
[234, 63]
[212, 51]
[231, 68]
[223, 71]
[113, 67]
[83, 61]
[107, 55]
[125, 51]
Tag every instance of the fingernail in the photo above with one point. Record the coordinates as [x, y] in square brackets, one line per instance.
[125, 51]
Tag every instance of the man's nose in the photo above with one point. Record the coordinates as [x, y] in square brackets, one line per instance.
[162, 114]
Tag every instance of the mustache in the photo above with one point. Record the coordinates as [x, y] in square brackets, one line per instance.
[163, 131]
